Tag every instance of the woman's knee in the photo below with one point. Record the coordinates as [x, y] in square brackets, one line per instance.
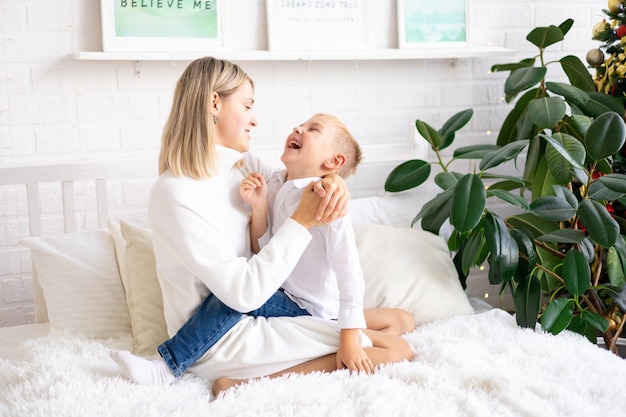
[406, 323]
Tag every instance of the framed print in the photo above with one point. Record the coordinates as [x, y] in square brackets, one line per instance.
[424, 23]
[310, 25]
[161, 25]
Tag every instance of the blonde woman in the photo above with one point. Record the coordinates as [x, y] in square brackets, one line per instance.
[201, 242]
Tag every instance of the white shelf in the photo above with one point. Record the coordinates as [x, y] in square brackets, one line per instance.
[350, 55]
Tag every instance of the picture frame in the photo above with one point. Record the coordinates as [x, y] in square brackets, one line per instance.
[317, 25]
[161, 25]
[424, 23]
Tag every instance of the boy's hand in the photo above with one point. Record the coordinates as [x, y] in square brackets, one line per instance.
[253, 190]
[351, 354]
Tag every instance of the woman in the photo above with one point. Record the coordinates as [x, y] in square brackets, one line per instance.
[201, 242]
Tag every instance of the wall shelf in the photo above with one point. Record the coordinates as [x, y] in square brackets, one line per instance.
[350, 55]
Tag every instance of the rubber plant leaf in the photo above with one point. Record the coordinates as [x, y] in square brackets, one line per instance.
[532, 224]
[577, 73]
[526, 246]
[615, 267]
[565, 193]
[614, 182]
[474, 151]
[599, 191]
[472, 250]
[576, 126]
[407, 175]
[508, 130]
[559, 158]
[576, 273]
[573, 95]
[566, 25]
[543, 37]
[522, 79]
[563, 143]
[600, 103]
[545, 112]
[534, 157]
[605, 136]
[552, 208]
[468, 203]
[453, 124]
[429, 133]
[557, 315]
[447, 179]
[580, 326]
[514, 199]
[543, 181]
[526, 62]
[506, 153]
[438, 206]
[563, 236]
[503, 247]
[586, 248]
[602, 228]
[596, 320]
[527, 299]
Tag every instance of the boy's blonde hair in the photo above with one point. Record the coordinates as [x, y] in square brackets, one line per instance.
[188, 140]
[346, 144]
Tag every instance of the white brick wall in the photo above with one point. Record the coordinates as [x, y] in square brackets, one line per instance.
[56, 109]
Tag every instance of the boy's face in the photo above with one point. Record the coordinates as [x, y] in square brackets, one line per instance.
[308, 148]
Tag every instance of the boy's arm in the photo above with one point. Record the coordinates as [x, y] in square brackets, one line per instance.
[258, 227]
[351, 354]
[253, 190]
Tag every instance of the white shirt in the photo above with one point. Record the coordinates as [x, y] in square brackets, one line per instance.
[328, 279]
[202, 245]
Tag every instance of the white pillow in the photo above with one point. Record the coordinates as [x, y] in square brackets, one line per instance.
[81, 283]
[143, 293]
[392, 209]
[409, 269]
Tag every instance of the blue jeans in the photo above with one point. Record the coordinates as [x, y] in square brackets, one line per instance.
[210, 322]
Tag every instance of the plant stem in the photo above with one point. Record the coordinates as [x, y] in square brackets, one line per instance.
[613, 345]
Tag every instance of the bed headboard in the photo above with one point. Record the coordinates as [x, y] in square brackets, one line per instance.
[100, 174]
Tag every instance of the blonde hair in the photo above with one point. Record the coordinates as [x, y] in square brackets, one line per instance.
[188, 140]
[346, 144]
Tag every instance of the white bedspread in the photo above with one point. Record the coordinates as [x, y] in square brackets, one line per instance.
[481, 365]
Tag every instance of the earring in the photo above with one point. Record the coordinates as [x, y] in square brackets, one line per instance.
[215, 120]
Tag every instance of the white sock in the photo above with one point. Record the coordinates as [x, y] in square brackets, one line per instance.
[143, 371]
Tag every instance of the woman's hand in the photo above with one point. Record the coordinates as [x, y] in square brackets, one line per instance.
[307, 210]
[335, 198]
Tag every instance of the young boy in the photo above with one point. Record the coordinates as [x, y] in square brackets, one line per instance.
[327, 281]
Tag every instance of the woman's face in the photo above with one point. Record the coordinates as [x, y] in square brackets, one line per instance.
[236, 118]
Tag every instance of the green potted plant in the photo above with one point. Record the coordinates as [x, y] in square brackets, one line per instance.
[563, 256]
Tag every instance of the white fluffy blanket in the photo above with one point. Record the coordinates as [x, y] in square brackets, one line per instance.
[481, 365]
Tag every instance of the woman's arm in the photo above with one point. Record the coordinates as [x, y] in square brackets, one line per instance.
[202, 239]
[335, 198]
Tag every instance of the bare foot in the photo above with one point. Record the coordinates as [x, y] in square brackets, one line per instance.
[223, 384]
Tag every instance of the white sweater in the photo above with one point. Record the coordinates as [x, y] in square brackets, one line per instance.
[201, 243]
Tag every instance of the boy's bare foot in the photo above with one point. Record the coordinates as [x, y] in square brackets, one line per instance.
[223, 384]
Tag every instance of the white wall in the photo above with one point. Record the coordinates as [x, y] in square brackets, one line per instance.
[54, 108]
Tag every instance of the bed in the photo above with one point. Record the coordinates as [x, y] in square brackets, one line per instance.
[95, 289]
